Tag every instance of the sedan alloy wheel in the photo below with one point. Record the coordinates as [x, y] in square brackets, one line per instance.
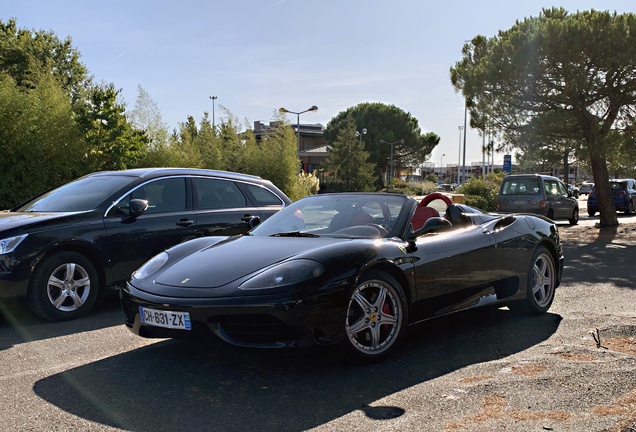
[64, 286]
[68, 287]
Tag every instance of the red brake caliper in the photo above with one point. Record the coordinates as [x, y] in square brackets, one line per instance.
[386, 310]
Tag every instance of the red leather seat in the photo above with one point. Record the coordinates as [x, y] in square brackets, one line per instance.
[422, 214]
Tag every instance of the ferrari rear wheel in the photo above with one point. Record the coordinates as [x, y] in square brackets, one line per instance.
[541, 284]
[377, 317]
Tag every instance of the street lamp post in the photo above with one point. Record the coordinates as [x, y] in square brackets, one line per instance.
[396, 142]
[213, 125]
[464, 161]
[283, 111]
[483, 157]
[441, 165]
[459, 154]
[358, 134]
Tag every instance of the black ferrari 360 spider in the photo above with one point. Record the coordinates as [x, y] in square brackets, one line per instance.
[356, 269]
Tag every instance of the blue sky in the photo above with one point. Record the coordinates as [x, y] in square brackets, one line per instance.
[259, 55]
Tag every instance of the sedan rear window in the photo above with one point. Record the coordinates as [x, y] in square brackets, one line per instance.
[528, 186]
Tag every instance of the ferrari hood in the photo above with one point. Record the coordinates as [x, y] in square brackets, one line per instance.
[229, 260]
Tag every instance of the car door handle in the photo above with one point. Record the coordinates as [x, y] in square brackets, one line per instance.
[185, 222]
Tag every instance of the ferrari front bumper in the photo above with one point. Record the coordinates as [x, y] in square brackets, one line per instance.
[270, 321]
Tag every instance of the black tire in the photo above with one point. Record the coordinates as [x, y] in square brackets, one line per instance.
[575, 217]
[63, 287]
[591, 212]
[541, 283]
[550, 214]
[630, 207]
[377, 299]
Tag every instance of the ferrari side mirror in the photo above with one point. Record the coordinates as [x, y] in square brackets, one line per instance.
[432, 225]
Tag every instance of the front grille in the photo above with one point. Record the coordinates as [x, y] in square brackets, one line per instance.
[257, 328]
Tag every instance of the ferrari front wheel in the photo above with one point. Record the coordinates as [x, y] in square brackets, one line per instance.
[541, 284]
[377, 316]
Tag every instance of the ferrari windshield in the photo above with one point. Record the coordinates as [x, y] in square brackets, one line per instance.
[337, 215]
[82, 194]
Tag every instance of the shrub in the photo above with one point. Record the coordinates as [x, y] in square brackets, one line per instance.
[481, 194]
[308, 184]
[413, 187]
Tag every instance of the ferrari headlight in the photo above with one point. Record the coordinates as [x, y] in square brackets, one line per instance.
[287, 273]
[7, 245]
[151, 266]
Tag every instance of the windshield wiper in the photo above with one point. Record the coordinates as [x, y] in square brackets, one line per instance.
[294, 234]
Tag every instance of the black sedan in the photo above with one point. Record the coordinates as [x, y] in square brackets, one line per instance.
[63, 246]
[352, 268]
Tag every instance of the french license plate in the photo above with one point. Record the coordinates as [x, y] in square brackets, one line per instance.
[519, 202]
[167, 319]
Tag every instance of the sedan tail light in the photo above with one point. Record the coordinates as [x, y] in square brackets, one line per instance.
[498, 205]
[542, 204]
[592, 193]
[620, 193]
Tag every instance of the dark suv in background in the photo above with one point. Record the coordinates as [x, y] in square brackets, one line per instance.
[539, 194]
[623, 194]
[61, 247]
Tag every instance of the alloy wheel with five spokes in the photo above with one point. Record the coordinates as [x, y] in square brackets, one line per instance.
[69, 286]
[543, 280]
[541, 284]
[63, 286]
[376, 316]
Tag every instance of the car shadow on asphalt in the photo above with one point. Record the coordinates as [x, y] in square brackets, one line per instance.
[18, 324]
[172, 385]
[606, 259]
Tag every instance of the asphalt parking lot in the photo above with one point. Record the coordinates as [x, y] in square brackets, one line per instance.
[569, 370]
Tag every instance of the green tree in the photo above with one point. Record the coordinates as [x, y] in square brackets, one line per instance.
[26, 54]
[581, 66]
[431, 178]
[483, 194]
[236, 147]
[276, 158]
[622, 162]
[114, 144]
[40, 142]
[551, 140]
[391, 124]
[347, 161]
[207, 144]
[146, 116]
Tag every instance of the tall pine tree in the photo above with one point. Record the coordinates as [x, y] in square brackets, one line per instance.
[347, 160]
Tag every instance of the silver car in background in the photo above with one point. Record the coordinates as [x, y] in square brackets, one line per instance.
[586, 188]
[538, 194]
